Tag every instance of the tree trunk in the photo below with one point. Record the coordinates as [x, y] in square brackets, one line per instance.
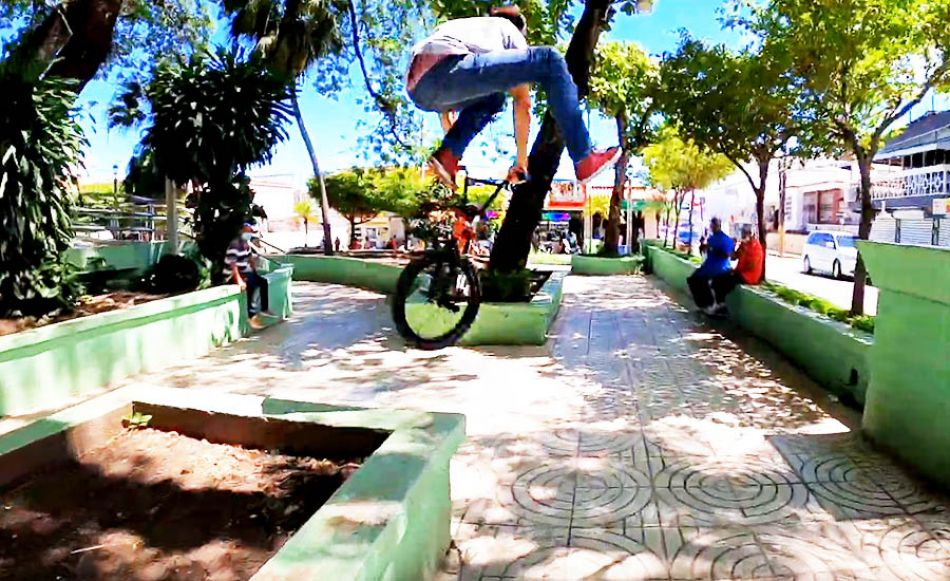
[864, 231]
[692, 203]
[324, 204]
[678, 200]
[72, 41]
[513, 244]
[666, 234]
[352, 232]
[306, 233]
[612, 237]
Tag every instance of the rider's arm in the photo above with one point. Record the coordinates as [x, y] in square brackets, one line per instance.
[522, 110]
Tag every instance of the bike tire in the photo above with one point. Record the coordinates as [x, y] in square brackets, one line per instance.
[404, 289]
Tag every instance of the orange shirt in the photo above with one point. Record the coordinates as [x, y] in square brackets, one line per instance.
[751, 260]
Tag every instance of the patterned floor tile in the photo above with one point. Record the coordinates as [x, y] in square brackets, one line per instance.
[906, 547]
[720, 554]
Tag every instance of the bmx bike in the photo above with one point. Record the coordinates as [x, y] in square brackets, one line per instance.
[438, 294]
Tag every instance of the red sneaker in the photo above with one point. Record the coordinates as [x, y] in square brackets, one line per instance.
[445, 165]
[596, 162]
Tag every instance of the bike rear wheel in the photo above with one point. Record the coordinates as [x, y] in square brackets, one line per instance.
[436, 301]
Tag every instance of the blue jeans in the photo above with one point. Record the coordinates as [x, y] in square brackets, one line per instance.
[476, 84]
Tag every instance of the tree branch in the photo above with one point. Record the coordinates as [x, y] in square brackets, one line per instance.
[742, 168]
[388, 109]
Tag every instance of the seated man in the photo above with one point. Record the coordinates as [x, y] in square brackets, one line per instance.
[241, 265]
[719, 249]
[467, 65]
[749, 269]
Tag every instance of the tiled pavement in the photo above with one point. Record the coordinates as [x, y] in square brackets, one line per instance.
[639, 444]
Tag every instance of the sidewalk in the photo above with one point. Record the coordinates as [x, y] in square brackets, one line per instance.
[639, 444]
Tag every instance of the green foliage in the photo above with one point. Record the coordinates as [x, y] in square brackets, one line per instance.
[677, 165]
[212, 118]
[821, 306]
[173, 275]
[742, 105]
[40, 144]
[859, 64]
[360, 194]
[137, 420]
[623, 85]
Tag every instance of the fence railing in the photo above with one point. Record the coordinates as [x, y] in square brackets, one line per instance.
[136, 220]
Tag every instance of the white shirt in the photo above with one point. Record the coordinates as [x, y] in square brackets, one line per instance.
[472, 35]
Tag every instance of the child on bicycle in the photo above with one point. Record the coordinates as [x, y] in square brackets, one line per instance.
[469, 64]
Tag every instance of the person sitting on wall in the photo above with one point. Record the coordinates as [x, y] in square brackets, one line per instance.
[719, 249]
[749, 270]
[240, 264]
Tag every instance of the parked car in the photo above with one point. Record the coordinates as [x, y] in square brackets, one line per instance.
[834, 253]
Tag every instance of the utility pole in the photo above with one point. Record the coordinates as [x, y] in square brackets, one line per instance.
[784, 165]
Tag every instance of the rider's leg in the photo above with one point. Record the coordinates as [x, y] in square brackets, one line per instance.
[471, 120]
[480, 75]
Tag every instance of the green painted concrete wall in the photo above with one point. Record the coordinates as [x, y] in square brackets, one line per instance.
[502, 323]
[43, 367]
[391, 519]
[835, 355]
[908, 402]
[599, 266]
[374, 276]
[134, 257]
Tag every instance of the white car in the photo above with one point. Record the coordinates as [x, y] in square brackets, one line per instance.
[834, 253]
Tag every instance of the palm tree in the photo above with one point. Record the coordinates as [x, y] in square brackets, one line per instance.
[291, 35]
[304, 211]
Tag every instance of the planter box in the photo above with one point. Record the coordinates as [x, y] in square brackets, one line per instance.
[389, 520]
[45, 367]
[375, 276]
[908, 400]
[835, 355]
[600, 266]
[502, 323]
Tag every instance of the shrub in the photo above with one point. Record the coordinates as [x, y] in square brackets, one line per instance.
[40, 145]
[173, 274]
[506, 287]
[212, 118]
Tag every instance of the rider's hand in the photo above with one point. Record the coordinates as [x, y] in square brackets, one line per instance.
[517, 174]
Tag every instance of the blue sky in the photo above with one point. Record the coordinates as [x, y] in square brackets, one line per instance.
[332, 123]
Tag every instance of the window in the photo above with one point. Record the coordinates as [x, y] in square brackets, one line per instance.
[814, 238]
[846, 242]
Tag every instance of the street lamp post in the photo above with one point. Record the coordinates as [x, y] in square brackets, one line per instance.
[115, 201]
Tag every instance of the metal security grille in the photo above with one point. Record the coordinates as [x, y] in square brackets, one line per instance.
[944, 234]
[917, 231]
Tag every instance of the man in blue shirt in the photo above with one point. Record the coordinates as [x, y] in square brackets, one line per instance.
[719, 249]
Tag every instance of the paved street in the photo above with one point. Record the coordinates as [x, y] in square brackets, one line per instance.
[640, 443]
[788, 271]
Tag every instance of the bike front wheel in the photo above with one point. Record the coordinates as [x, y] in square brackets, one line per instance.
[436, 301]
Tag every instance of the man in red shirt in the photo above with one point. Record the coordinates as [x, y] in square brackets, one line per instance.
[749, 270]
[751, 259]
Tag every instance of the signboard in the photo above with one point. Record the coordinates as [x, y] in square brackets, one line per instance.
[566, 196]
[556, 217]
[941, 207]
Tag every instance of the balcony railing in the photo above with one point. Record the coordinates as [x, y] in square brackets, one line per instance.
[924, 181]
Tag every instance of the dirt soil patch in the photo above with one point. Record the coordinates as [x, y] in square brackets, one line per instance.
[152, 505]
[87, 305]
